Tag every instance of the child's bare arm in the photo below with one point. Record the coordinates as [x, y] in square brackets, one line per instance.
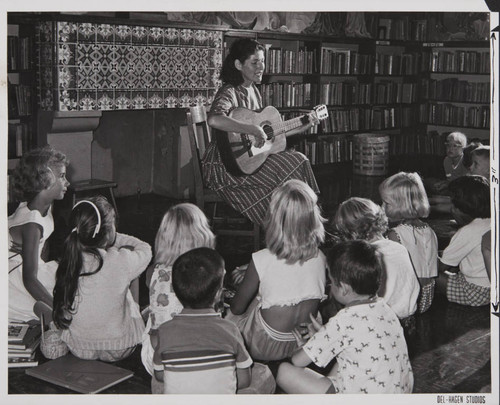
[446, 267]
[246, 291]
[159, 375]
[300, 358]
[31, 235]
[244, 377]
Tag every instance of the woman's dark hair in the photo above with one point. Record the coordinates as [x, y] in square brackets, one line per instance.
[240, 50]
[356, 263]
[197, 277]
[84, 220]
[471, 195]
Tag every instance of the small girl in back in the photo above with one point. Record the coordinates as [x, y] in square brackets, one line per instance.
[405, 202]
[463, 275]
[183, 227]
[361, 218]
[38, 180]
[93, 304]
[481, 162]
[286, 281]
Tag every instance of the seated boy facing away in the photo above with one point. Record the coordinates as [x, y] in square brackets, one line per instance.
[463, 276]
[365, 336]
[197, 278]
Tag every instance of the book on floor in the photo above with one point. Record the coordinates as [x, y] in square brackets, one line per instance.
[16, 362]
[32, 334]
[17, 331]
[84, 376]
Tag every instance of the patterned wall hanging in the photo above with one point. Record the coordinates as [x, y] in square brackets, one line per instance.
[87, 66]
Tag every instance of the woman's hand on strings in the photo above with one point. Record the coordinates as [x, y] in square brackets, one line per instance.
[257, 136]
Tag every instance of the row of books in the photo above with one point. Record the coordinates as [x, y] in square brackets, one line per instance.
[397, 64]
[336, 61]
[345, 93]
[340, 148]
[455, 115]
[346, 120]
[19, 138]
[402, 29]
[288, 94]
[386, 92]
[389, 92]
[287, 61]
[19, 51]
[24, 339]
[432, 143]
[456, 61]
[337, 149]
[20, 103]
[365, 119]
[454, 89]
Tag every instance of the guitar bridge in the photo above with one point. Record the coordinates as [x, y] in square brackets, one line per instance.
[247, 144]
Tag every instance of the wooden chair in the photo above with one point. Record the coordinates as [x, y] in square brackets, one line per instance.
[199, 138]
[93, 186]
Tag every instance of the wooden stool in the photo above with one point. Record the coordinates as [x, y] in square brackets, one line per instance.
[94, 184]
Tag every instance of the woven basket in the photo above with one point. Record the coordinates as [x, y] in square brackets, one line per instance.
[371, 154]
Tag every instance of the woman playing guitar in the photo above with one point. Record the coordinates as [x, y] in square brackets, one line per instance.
[249, 194]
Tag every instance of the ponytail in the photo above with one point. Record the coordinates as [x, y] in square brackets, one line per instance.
[67, 278]
[89, 233]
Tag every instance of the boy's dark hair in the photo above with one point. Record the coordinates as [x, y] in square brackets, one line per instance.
[356, 263]
[197, 277]
[467, 153]
[240, 50]
[471, 195]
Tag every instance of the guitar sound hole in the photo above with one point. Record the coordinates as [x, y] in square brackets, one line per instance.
[269, 131]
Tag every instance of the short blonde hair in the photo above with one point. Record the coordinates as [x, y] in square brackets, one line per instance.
[405, 197]
[183, 227]
[457, 136]
[359, 218]
[293, 223]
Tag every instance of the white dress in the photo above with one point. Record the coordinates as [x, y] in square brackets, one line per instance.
[422, 245]
[20, 300]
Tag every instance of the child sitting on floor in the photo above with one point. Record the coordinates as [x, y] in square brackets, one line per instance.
[365, 336]
[405, 202]
[197, 278]
[285, 281]
[93, 304]
[361, 218]
[38, 180]
[481, 162]
[183, 227]
[463, 276]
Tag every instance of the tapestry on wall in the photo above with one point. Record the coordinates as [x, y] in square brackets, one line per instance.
[86, 66]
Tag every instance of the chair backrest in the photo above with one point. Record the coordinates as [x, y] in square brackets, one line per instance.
[199, 372]
[199, 138]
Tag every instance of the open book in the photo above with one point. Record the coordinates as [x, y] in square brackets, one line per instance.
[84, 376]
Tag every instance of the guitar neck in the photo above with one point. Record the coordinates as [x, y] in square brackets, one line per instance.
[285, 126]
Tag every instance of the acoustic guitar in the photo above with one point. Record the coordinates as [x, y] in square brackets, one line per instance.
[236, 150]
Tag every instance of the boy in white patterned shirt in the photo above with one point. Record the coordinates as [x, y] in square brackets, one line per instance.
[365, 337]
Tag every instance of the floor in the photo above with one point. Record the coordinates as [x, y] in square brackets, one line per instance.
[449, 348]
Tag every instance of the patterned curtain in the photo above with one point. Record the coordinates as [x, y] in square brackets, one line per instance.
[87, 66]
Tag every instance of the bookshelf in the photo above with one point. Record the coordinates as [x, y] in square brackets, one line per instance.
[394, 83]
[455, 88]
[21, 89]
